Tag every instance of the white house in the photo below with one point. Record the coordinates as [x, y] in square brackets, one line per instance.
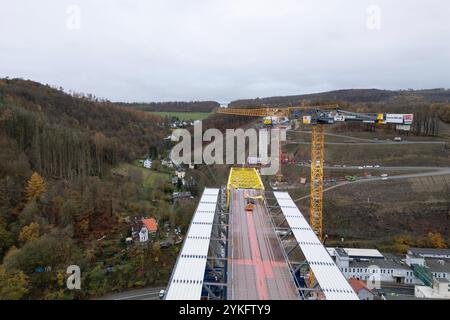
[148, 163]
[180, 173]
[167, 163]
[143, 235]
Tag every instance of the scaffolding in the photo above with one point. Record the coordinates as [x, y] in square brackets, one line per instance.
[243, 178]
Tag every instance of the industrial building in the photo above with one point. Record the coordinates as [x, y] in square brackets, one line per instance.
[439, 290]
[371, 265]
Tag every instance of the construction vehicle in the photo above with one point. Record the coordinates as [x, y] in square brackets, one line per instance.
[250, 202]
[317, 116]
[249, 205]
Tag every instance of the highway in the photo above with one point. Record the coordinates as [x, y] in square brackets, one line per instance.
[394, 168]
[137, 294]
[258, 270]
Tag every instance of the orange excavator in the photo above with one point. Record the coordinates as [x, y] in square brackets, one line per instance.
[250, 205]
[250, 202]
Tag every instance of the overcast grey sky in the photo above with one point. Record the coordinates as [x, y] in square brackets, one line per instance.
[155, 50]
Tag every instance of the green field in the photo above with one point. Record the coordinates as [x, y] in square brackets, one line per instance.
[149, 181]
[185, 115]
[148, 176]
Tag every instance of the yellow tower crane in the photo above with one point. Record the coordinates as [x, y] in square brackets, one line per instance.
[317, 116]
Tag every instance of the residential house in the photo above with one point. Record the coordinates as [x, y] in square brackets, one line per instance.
[151, 224]
[361, 289]
[147, 163]
[143, 234]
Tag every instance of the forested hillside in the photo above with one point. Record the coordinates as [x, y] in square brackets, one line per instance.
[349, 96]
[174, 106]
[58, 195]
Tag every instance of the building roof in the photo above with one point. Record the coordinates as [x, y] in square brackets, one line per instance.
[438, 265]
[186, 282]
[429, 293]
[341, 252]
[358, 285]
[151, 224]
[429, 252]
[381, 263]
[358, 253]
[330, 278]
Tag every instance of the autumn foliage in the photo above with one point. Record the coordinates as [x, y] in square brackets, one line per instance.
[35, 187]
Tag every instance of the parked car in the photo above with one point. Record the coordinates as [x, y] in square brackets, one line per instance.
[165, 245]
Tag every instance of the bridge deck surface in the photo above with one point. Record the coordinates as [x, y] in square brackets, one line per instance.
[257, 268]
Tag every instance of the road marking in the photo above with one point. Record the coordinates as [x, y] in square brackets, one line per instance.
[256, 258]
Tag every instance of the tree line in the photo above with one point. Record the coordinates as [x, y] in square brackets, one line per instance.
[174, 106]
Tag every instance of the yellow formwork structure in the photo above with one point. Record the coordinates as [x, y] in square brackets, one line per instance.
[243, 178]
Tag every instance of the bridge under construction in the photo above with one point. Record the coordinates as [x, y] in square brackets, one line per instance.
[245, 243]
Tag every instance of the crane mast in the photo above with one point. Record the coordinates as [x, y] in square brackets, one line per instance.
[316, 186]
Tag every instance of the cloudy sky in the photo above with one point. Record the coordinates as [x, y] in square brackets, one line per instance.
[156, 50]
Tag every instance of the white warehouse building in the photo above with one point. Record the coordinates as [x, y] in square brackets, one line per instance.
[370, 264]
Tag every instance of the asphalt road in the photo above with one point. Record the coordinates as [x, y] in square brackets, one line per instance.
[399, 289]
[439, 171]
[394, 168]
[137, 294]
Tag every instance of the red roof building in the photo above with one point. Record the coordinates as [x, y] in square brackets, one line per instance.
[361, 289]
[151, 225]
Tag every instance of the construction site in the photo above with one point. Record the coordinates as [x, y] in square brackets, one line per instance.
[250, 241]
